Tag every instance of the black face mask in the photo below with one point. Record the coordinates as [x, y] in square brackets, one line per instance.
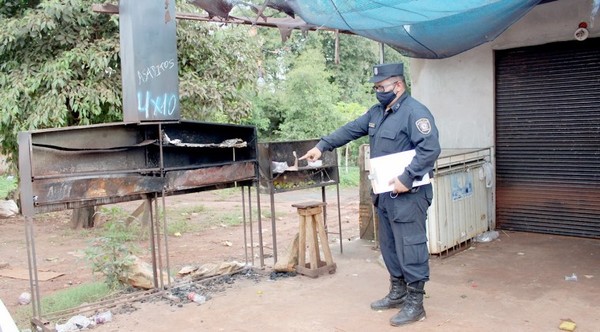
[385, 98]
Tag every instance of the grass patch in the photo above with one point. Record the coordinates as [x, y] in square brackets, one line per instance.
[265, 212]
[188, 210]
[223, 194]
[350, 178]
[213, 218]
[75, 296]
[179, 220]
[62, 300]
[229, 218]
[180, 226]
[198, 218]
[7, 184]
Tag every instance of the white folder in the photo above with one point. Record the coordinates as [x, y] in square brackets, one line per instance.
[385, 168]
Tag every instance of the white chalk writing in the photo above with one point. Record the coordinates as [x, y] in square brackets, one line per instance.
[59, 192]
[154, 71]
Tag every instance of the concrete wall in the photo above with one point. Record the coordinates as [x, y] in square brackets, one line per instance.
[551, 22]
[459, 90]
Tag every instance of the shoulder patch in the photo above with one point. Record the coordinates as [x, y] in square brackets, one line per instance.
[423, 125]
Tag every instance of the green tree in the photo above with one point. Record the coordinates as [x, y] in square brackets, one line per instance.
[308, 99]
[267, 114]
[57, 68]
[357, 55]
[10, 8]
[218, 69]
[349, 112]
[277, 59]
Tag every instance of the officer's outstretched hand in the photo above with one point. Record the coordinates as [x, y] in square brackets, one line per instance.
[312, 155]
[398, 186]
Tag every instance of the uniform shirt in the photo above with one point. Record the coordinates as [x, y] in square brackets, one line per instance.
[407, 125]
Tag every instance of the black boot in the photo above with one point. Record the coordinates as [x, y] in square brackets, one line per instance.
[413, 310]
[395, 298]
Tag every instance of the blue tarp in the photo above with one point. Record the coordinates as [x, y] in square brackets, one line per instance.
[432, 29]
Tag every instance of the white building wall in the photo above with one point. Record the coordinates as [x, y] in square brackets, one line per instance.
[459, 90]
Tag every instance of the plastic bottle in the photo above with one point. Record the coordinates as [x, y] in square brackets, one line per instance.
[102, 318]
[194, 297]
[24, 298]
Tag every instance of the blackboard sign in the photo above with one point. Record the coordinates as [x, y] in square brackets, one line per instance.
[149, 60]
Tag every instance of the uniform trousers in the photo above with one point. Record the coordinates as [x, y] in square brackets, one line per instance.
[403, 233]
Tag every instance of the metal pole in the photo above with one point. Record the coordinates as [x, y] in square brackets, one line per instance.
[165, 233]
[273, 226]
[244, 221]
[152, 244]
[166, 238]
[337, 187]
[158, 246]
[33, 275]
[324, 200]
[152, 210]
[262, 254]
[251, 231]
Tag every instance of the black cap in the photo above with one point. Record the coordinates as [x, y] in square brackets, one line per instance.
[382, 72]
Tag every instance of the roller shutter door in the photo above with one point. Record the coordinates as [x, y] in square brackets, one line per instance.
[548, 138]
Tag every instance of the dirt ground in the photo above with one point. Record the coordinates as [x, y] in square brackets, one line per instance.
[515, 283]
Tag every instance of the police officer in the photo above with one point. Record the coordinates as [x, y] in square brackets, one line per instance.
[397, 123]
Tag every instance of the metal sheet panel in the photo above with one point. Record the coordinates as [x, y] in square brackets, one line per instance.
[149, 60]
[63, 193]
[25, 175]
[198, 178]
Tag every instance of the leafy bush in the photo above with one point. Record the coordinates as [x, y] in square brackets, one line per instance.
[7, 185]
[110, 253]
[350, 178]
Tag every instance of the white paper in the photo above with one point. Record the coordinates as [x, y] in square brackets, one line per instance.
[385, 168]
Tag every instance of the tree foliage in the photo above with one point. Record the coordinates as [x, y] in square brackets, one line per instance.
[308, 99]
[57, 62]
[305, 92]
[357, 55]
[218, 68]
[302, 85]
[60, 66]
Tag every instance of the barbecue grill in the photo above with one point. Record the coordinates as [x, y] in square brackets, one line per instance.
[281, 171]
[76, 167]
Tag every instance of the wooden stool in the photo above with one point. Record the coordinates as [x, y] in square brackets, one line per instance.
[315, 267]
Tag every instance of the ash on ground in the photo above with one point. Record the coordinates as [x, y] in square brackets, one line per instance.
[208, 287]
[278, 275]
[183, 293]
